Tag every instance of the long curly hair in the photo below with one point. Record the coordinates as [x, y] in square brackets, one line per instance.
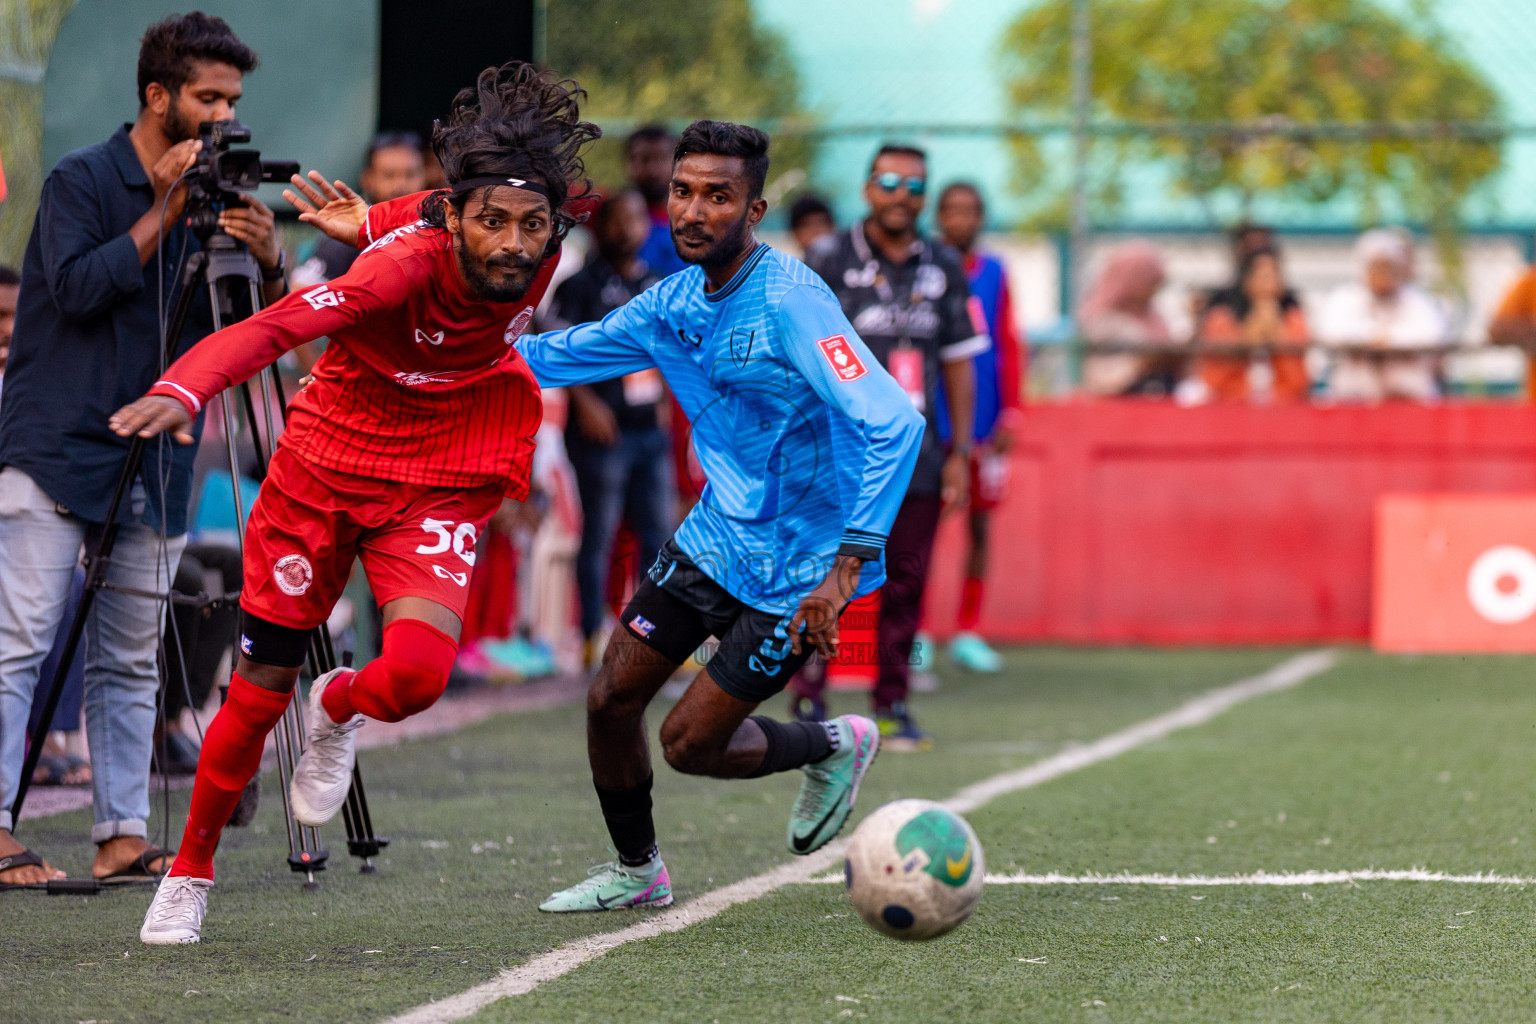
[519, 122]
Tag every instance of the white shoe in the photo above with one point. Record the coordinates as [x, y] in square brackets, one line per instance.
[175, 915]
[324, 772]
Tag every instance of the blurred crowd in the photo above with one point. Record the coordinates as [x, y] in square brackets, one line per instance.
[1380, 336]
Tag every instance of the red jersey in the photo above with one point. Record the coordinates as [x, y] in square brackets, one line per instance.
[421, 382]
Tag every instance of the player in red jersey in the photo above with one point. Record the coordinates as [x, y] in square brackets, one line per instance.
[420, 417]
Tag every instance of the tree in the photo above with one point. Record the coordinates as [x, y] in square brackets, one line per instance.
[1298, 62]
[672, 61]
[27, 31]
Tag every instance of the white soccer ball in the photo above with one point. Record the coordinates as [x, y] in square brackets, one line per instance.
[914, 870]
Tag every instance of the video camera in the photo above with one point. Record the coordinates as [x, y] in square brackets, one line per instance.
[221, 173]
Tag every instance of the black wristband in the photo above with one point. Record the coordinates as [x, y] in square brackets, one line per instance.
[270, 274]
[861, 551]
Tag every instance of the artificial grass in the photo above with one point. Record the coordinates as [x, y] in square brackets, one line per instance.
[485, 823]
[1383, 762]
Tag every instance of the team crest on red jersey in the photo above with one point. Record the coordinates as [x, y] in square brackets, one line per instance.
[845, 361]
[293, 574]
[517, 326]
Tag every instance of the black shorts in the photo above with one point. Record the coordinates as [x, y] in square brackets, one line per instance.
[677, 607]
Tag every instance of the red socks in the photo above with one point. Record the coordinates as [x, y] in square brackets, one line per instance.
[407, 678]
[970, 602]
[231, 755]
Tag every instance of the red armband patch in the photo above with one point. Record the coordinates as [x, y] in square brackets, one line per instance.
[845, 361]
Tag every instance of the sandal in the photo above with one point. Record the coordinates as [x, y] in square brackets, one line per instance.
[139, 870]
[60, 770]
[22, 859]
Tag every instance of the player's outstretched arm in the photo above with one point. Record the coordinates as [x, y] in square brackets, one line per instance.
[239, 351]
[151, 415]
[330, 206]
[587, 353]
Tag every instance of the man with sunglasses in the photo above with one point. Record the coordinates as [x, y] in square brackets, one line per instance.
[908, 298]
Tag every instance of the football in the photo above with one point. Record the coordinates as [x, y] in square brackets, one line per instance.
[914, 870]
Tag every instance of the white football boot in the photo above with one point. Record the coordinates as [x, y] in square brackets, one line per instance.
[175, 915]
[324, 772]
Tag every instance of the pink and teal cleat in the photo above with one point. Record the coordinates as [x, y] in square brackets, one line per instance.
[832, 785]
[614, 887]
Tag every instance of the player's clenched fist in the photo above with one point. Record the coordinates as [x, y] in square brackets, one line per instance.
[151, 415]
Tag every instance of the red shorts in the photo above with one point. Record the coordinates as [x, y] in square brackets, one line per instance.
[990, 474]
[309, 524]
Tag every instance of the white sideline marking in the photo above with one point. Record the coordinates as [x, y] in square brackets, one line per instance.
[1256, 878]
[557, 962]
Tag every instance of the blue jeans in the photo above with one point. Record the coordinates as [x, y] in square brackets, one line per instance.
[39, 549]
[66, 717]
[633, 478]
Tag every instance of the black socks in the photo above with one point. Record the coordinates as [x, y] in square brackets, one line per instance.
[791, 745]
[628, 814]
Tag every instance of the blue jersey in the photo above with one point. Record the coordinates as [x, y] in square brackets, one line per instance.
[807, 441]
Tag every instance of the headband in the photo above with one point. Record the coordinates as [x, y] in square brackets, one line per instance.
[470, 184]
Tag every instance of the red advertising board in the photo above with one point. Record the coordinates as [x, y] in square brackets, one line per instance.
[1142, 522]
[1455, 572]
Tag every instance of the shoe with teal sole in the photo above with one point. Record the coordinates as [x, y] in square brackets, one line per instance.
[970, 652]
[614, 887]
[832, 785]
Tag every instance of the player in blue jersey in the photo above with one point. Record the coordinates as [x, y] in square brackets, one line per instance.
[808, 445]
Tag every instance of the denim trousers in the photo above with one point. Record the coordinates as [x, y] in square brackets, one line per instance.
[40, 547]
[631, 478]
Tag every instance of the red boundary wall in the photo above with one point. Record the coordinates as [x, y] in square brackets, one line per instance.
[1133, 521]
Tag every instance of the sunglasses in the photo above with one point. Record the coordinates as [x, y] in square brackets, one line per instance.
[890, 181]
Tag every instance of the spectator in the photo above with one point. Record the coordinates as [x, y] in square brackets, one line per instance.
[810, 218]
[1246, 238]
[1117, 311]
[648, 165]
[1382, 324]
[10, 291]
[1514, 322]
[614, 436]
[962, 214]
[57, 767]
[88, 341]
[1262, 314]
[908, 299]
[393, 166]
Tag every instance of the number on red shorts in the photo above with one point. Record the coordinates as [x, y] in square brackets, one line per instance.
[460, 538]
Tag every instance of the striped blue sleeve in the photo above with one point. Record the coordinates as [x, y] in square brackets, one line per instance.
[617, 344]
[876, 421]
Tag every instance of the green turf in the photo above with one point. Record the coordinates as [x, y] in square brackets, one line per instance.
[449, 909]
[1384, 762]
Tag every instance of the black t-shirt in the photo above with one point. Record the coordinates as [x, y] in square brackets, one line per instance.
[590, 294]
[335, 258]
[920, 306]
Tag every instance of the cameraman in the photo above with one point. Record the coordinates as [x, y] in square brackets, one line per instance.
[87, 341]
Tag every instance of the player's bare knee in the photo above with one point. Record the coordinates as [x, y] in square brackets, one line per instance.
[610, 701]
[277, 678]
[688, 750]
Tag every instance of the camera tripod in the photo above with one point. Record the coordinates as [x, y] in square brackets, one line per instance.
[220, 267]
